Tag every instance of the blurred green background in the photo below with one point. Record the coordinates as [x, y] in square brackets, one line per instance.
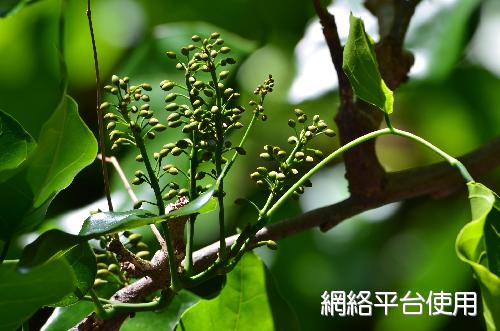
[451, 99]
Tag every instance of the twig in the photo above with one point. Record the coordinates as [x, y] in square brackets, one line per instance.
[100, 117]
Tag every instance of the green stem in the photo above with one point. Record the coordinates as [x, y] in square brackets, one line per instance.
[155, 185]
[193, 194]
[451, 160]
[218, 163]
[242, 142]
[101, 312]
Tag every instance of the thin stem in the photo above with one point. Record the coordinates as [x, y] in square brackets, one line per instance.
[155, 185]
[451, 160]
[193, 194]
[100, 117]
[101, 312]
[218, 164]
[242, 142]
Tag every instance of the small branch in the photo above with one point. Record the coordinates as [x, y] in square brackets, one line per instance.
[331, 34]
[100, 117]
[437, 180]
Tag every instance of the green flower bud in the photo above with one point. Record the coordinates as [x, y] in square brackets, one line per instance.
[281, 154]
[213, 53]
[145, 98]
[330, 132]
[153, 121]
[137, 181]
[134, 238]
[99, 282]
[198, 84]
[184, 51]
[315, 118]
[280, 176]
[115, 80]
[142, 254]
[173, 171]
[142, 246]
[114, 91]
[299, 155]
[255, 175]
[151, 135]
[272, 174]
[214, 109]
[260, 183]
[230, 60]
[179, 66]
[146, 86]
[184, 192]
[111, 125]
[171, 55]
[265, 156]
[113, 268]
[292, 140]
[298, 112]
[108, 88]
[309, 159]
[176, 151]
[208, 92]
[159, 127]
[174, 124]
[195, 38]
[194, 67]
[110, 116]
[167, 85]
[224, 74]
[172, 106]
[215, 35]
[225, 50]
[104, 105]
[139, 158]
[312, 128]
[302, 118]
[262, 170]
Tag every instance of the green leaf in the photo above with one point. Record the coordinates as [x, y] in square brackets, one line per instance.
[166, 319]
[23, 294]
[65, 147]
[49, 245]
[15, 145]
[479, 246]
[55, 243]
[64, 318]
[11, 7]
[82, 260]
[112, 222]
[242, 305]
[361, 67]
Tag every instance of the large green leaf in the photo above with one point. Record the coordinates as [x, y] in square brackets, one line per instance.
[479, 245]
[361, 67]
[15, 145]
[55, 243]
[10, 7]
[243, 304]
[82, 260]
[64, 318]
[23, 294]
[112, 222]
[65, 147]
